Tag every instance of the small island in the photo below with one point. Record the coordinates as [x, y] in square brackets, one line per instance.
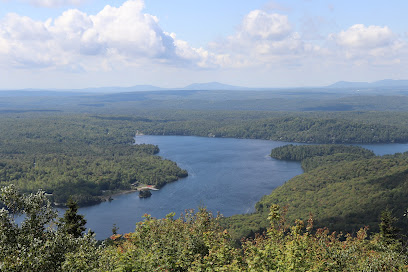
[145, 193]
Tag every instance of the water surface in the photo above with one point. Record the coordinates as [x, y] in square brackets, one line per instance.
[225, 175]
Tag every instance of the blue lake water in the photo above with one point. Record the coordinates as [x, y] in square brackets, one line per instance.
[225, 175]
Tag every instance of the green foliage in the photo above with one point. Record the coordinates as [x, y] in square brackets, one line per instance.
[193, 242]
[72, 223]
[346, 195]
[292, 248]
[78, 156]
[280, 127]
[145, 193]
[35, 244]
[302, 152]
[344, 191]
[313, 156]
[389, 233]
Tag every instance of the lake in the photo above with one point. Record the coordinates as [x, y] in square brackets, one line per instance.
[225, 175]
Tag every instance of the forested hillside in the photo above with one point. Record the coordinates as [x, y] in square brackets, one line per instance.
[285, 128]
[345, 188]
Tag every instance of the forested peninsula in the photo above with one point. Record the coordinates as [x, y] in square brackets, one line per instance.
[86, 158]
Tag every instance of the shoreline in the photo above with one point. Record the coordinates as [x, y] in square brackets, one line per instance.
[102, 198]
[117, 193]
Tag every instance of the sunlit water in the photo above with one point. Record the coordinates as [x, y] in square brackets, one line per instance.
[225, 175]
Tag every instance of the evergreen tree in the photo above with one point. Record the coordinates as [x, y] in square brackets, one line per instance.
[388, 232]
[72, 222]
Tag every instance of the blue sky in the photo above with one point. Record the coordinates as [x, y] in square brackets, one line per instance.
[292, 43]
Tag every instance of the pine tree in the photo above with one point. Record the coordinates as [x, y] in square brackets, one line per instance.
[388, 232]
[72, 222]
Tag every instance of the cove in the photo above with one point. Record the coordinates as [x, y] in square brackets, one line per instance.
[225, 175]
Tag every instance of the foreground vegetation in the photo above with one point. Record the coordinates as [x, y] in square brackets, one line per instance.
[193, 242]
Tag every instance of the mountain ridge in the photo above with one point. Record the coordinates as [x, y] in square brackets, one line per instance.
[208, 86]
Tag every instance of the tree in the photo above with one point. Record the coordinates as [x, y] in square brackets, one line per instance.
[72, 223]
[388, 232]
[34, 244]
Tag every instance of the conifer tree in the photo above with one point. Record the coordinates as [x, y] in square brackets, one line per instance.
[72, 222]
[388, 231]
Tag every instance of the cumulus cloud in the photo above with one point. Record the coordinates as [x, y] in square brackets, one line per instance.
[372, 43]
[263, 38]
[360, 36]
[261, 25]
[125, 36]
[122, 33]
[267, 38]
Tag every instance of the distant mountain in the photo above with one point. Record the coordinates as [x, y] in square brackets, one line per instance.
[137, 88]
[348, 84]
[212, 86]
[40, 93]
[380, 83]
[76, 92]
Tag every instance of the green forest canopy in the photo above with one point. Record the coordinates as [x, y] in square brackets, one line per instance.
[79, 156]
[343, 191]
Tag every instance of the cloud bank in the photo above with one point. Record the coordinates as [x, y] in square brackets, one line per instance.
[116, 34]
[125, 36]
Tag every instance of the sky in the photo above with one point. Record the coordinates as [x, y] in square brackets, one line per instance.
[69, 44]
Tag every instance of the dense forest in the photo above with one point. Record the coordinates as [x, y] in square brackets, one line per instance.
[301, 128]
[313, 156]
[193, 242]
[80, 148]
[93, 155]
[344, 187]
[77, 156]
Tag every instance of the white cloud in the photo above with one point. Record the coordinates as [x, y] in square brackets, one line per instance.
[369, 44]
[262, 38]
[360, 36]
[261, 25]
[121, 40]
[268, 41]
[74, 39]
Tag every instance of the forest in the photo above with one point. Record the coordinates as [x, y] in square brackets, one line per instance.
[78, 156]
[193, 242]
[79, 149]
[93, 156]
[345, 188]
